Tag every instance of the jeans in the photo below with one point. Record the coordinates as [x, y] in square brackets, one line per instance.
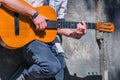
[43, 60]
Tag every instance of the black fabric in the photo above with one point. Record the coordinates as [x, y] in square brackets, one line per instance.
[46, 2]
[16, 22]
[34, 15]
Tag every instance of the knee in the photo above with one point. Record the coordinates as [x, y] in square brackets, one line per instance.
[51, 69]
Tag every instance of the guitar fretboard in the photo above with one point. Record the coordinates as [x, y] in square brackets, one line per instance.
[68, 24]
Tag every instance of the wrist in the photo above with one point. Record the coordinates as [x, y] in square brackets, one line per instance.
[34, 15]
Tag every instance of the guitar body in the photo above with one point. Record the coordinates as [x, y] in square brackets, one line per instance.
[27, 31]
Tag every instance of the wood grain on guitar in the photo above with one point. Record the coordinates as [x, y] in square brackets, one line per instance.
[26, 31]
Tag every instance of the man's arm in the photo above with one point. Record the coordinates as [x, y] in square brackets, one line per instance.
[77, 34]
[17, 6]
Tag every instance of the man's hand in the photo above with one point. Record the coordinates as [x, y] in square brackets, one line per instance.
[80, 31]
[40, 22]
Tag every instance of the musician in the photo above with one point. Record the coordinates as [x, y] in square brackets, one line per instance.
[46, 59]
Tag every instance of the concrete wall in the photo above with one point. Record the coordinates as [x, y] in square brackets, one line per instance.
[95, 52]
[82, 56]
[112, 41]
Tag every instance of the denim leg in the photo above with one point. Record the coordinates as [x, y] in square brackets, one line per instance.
[43, 62]
[60, 75]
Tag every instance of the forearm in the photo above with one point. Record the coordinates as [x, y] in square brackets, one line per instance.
[69, 33]
[65, 32]
[17, 6]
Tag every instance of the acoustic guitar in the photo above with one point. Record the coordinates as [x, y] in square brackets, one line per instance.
[17, 30]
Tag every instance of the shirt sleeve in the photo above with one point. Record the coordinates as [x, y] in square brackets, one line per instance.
[60, 7]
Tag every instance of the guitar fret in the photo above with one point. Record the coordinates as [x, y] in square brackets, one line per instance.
[76, 24]
[71, 24]
[58, 24]
[91, 25]
[68, 24]
[63, 24]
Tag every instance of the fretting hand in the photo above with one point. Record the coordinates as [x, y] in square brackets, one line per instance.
[80, 31]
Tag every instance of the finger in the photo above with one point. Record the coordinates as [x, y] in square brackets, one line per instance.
[44, 20]
[84, 27]
[84, 23]
[44, 23]
[79, 26]
[37, 26]
[41, 26]
[78, 30]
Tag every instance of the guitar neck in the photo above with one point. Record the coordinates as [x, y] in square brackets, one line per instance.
[68, 24]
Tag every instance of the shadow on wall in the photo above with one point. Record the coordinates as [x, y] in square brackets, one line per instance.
[112, 10]
[67, 75]
[10, 60]
[114, 74]
[74, 77]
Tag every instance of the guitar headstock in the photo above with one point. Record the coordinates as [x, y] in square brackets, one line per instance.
[105, 26]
